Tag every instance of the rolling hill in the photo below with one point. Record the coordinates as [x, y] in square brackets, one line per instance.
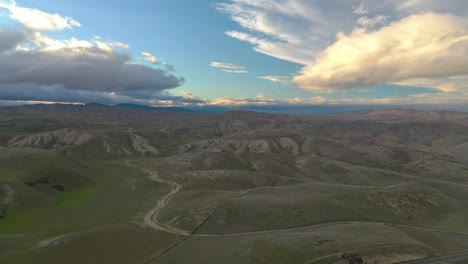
[125, 184]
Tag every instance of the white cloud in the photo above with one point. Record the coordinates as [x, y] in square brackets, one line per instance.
[241, 101]
[149, 57]
[409, 4]
[228, 67]
[292, 30]
[372, 21]
[109, 45]
[263, 100]
[427, 46]
[279, 79]
[361, 9]
[235, 71]
[317, 100]
[444, 84]
[225, 65]
[37, 19]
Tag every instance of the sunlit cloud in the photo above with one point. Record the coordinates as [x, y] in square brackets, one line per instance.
[37, 19]
[149, 57]
[278, 79]
[427, 46]
[358, 43]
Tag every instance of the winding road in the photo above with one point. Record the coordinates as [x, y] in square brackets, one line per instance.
[151, 218]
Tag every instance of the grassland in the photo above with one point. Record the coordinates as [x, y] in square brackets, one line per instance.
[233, 188]
[99, 198]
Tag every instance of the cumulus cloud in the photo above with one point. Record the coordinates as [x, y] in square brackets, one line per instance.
[228, 67]
[82, 67]
[358, 43]
[37, 67]
[419, 46]
[37, 19]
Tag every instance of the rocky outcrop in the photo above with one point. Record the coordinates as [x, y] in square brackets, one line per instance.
[142, 146]
[53, 139]
[278, 145]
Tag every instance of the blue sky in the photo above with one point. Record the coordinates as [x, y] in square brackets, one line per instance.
[270, 52]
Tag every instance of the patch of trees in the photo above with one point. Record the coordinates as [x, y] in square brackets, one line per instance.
[45, 181]
[353, 259]
[58, 187]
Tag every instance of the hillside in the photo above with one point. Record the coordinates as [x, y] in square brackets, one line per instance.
[100, 184]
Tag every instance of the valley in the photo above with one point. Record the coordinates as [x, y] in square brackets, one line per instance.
[100, 184]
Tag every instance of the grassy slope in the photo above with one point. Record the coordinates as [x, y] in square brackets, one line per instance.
[102, 198]
[123, 244]
[97, 195]
[298, 246]
[268, 208]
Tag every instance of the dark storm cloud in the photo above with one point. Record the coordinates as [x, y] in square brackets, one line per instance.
[33, 92]
[10, 39]
[57, 93]
[84, 68]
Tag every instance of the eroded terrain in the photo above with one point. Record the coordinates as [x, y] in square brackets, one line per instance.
[98, 184]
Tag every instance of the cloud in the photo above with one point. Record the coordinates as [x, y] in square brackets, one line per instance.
[83, 68]
[263, 100]
[279, 79]
[454, 7]
[317, 100]
[419, 46]
[37, 19]
[241, 101]
[316, 33]
[368, 22]
[149, 57]
[37, 67]
[361, 9]
[10, 39]
[293, 30]
[228, 67]
[235, 71]
[426, 99]
[56, 93]
[109, 45]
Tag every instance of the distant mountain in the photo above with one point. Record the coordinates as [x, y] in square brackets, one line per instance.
[146, 107]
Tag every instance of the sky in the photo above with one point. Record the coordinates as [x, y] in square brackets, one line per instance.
[235, 52]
